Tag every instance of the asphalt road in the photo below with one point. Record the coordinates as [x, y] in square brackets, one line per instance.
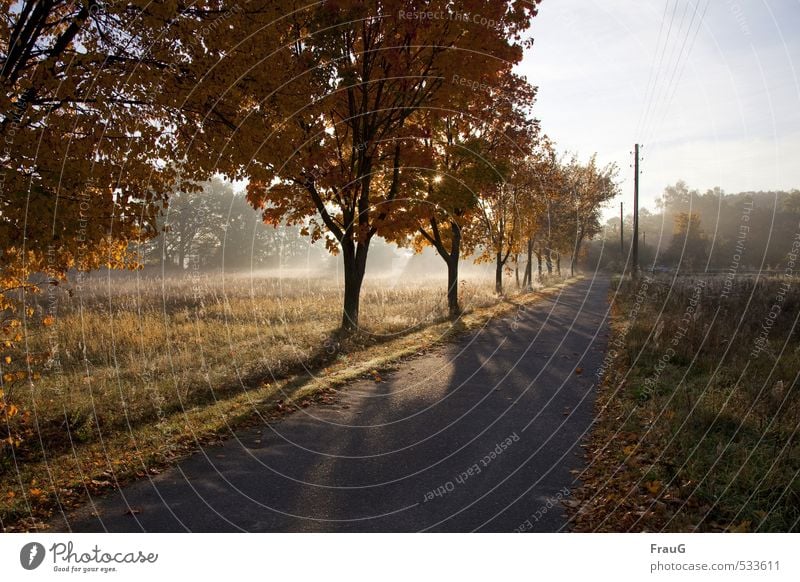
[482, 434]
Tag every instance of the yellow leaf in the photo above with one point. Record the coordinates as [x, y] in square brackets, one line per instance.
[7, 359]
[48, 320]
[653, 486]
[12, 411]
[36, 492]
[742, 527]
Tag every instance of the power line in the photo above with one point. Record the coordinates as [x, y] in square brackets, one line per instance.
[652, 66]
[661, 58]
[683, 67]
[671, 66]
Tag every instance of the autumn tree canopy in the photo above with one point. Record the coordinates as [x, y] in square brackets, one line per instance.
[588, 188]
[689, 245]
[465, 151]
[81, 133]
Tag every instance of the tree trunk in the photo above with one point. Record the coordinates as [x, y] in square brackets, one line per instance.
[549, 260]
[575, 254]
[355, 262]
[453, 308]
[558, 264]
[516, 269]
[450, 258]
[539, 263]
[498, 274]
[527, 282]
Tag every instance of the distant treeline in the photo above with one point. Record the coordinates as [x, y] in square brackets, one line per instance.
[216, 228]
[711, 231]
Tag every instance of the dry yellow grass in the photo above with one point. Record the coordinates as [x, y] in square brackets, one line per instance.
[698, 413]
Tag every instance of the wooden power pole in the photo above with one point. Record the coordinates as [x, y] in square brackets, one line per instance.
[635, 241]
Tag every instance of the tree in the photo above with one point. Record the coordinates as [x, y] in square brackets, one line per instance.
[549, 227]
[676, 198]
[499, 211]
[508, 140]
[444, 201]
[544, 176]
[458, 144]
[82, 172]
[689, 246]
[590, 188]
[88, 120]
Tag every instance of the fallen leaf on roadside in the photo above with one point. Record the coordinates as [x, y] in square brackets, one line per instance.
[653, 486]
[742, 527]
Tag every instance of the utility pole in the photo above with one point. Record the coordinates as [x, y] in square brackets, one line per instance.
[635, 242]
[621, 233]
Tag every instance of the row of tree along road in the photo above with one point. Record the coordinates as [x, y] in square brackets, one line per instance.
[346, 120]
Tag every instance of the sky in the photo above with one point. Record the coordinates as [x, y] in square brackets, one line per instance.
[711, 88]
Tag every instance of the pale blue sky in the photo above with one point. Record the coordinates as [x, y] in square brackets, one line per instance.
[725, 113]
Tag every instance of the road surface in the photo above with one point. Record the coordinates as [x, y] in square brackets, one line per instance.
[482, 434]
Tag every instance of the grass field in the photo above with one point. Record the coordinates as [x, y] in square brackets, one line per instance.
[699, 412]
